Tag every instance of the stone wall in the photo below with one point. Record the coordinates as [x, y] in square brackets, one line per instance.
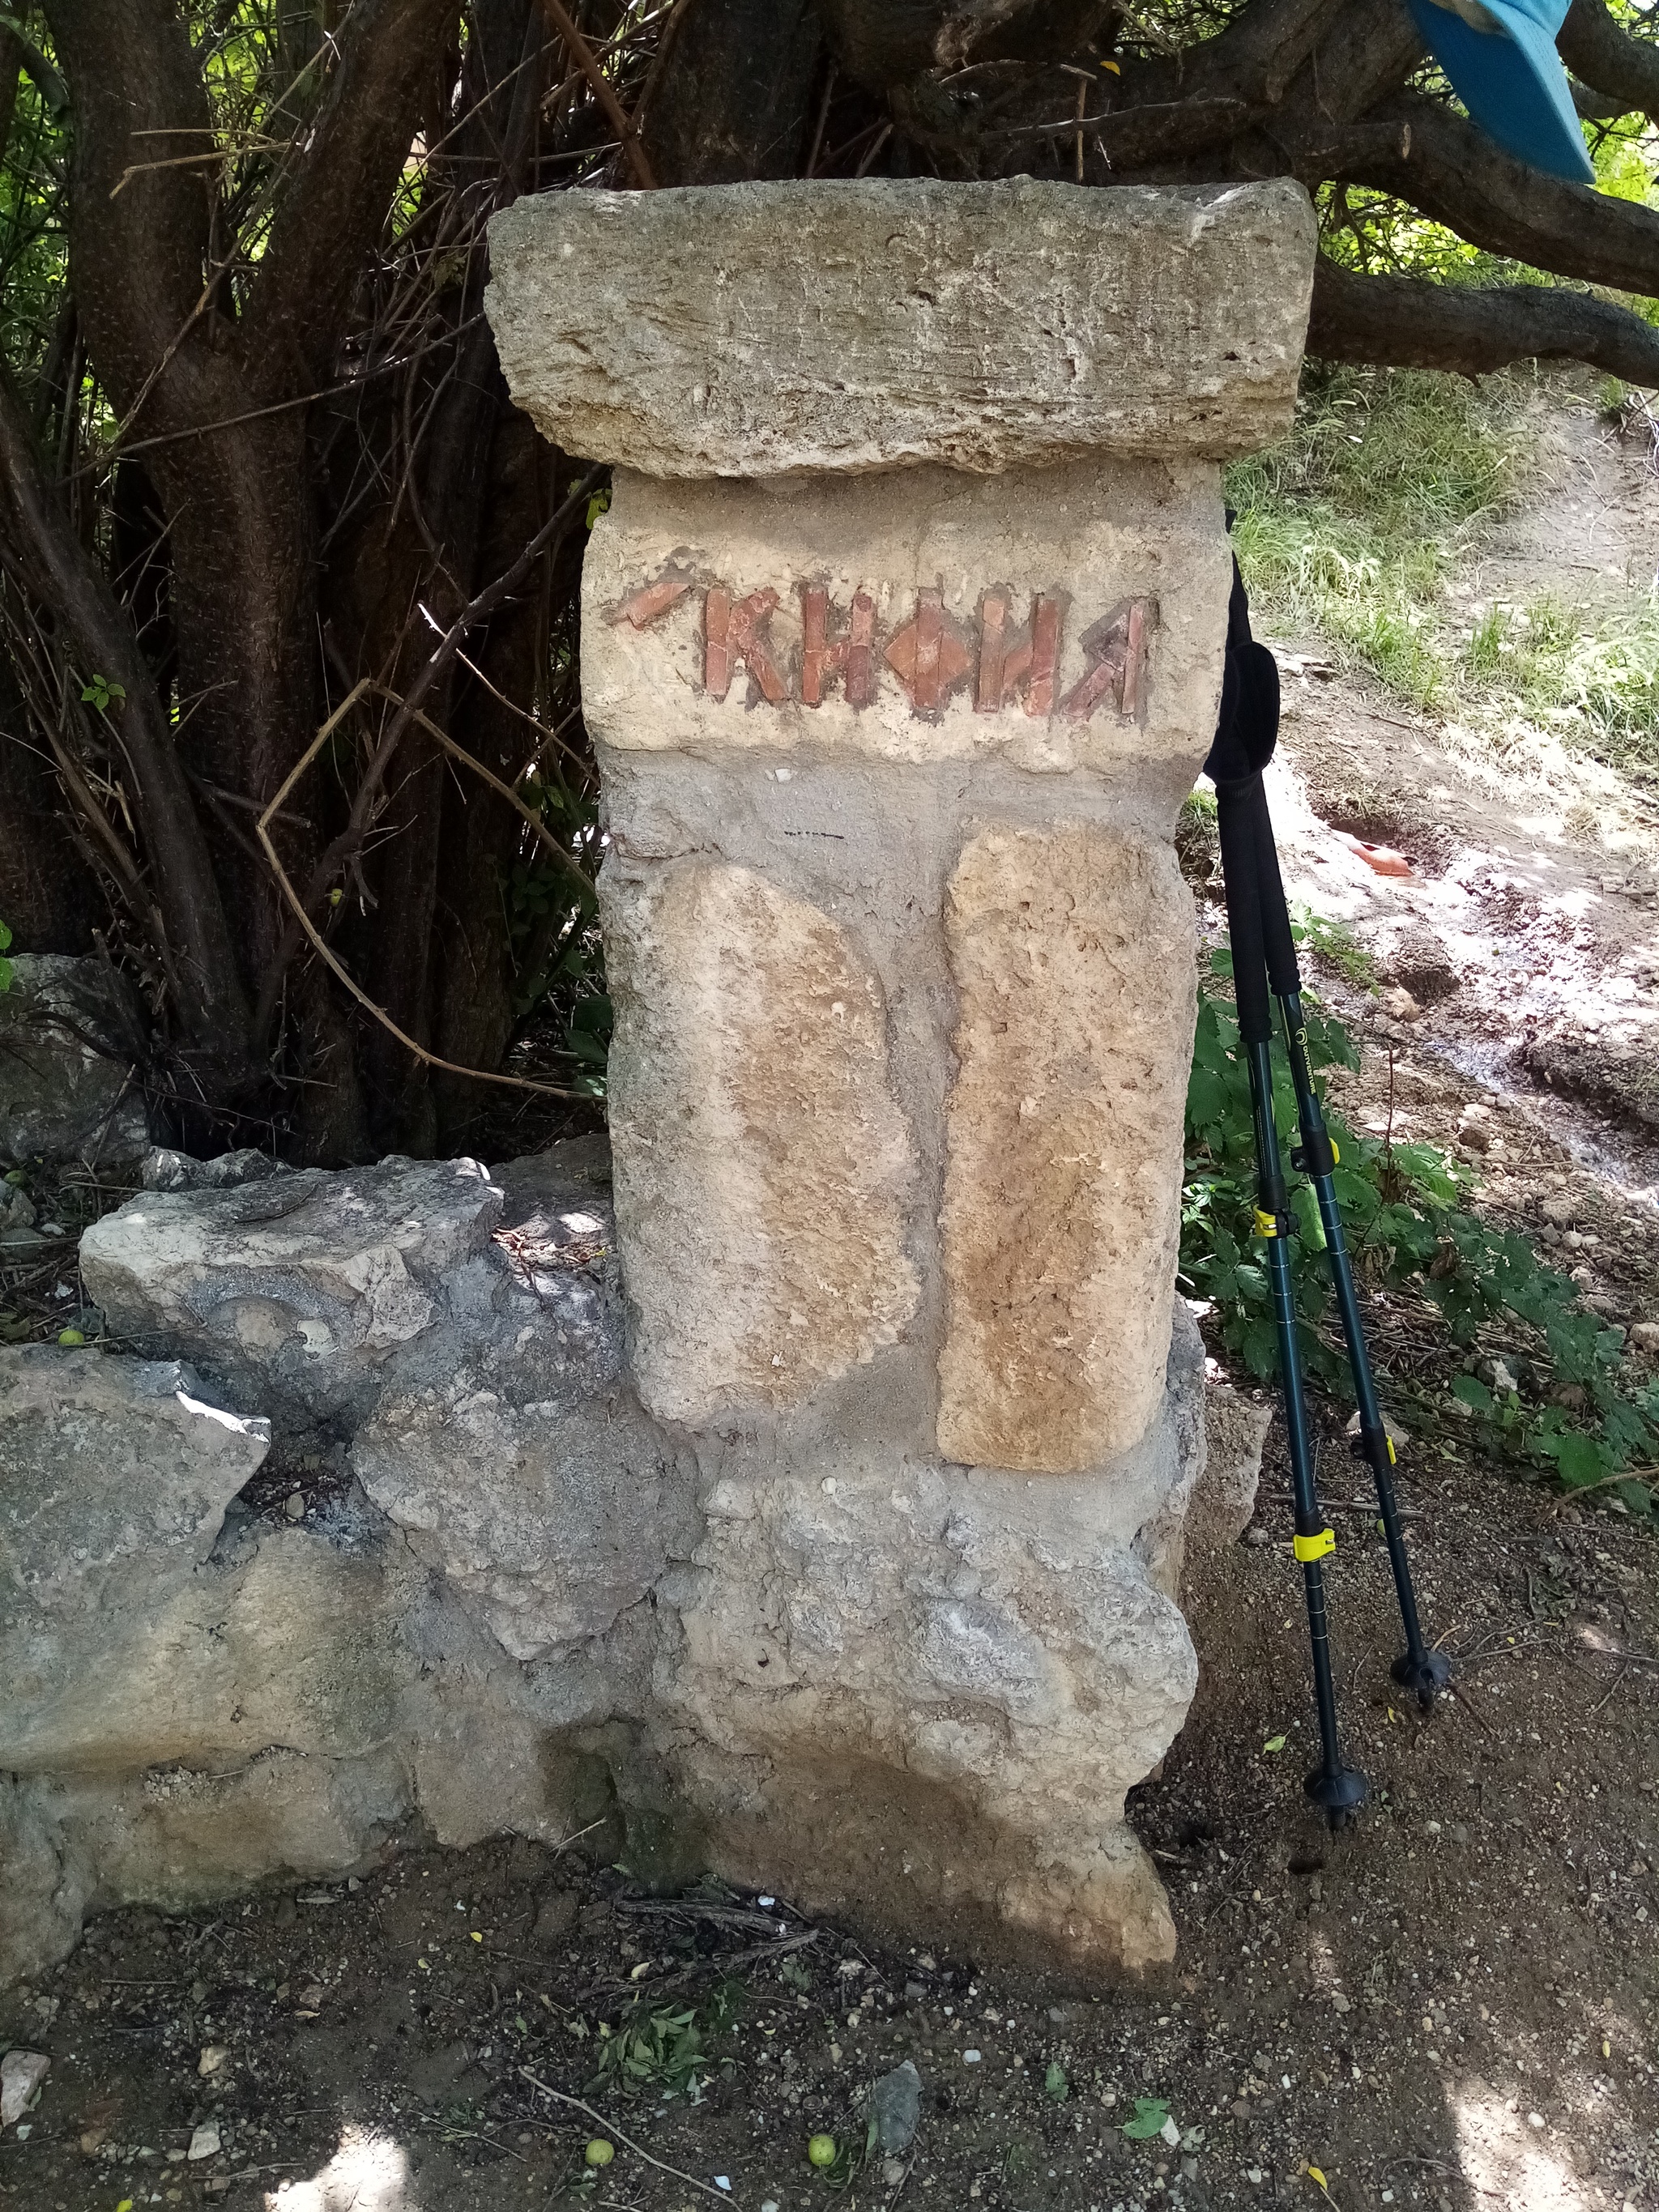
[816, 1515]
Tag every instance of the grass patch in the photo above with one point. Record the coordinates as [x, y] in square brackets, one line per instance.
[1353, 528]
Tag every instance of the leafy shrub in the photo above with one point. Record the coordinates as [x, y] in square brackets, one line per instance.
[1408, 1231]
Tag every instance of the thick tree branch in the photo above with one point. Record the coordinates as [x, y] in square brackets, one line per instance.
[1454, 173]
[11, 67]
[331, 214]
[729, 96]
[1607, 59]
[1403, 322]
[62, 575]
[139, 251]
[1253, 61]
[1373, 47]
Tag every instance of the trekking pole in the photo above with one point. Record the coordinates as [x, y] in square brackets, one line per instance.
[1417, 1669]
[1339, 1790]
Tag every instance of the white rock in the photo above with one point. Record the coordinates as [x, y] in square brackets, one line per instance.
[555, 1517]
[21, 2073]
[966, 1666]
[204, 2142]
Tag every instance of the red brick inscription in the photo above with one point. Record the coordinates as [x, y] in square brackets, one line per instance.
[1010, 663]
[927, 655]
[1117, 646]
[852, 657]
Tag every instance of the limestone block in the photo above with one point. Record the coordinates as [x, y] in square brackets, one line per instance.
[176, 1836]
[552, 1519]
[117, 1474]
[920, 1692]
[1074, 954]
[71, 1035]
[1075, 616]
[290, 1641]
[763, 1166]
[753, 329]
[1236, 1429]
[298, 1288]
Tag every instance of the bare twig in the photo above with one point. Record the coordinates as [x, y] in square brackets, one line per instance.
[318, 945]
[577, 2104]
[582, 54]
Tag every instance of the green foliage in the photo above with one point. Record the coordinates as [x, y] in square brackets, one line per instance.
[7, 971]
[1149, 2114]
[1407, 1228]
[1054, 2081]
[1351, 530]
[1333, 941]
[660, 2050]
[101, 692]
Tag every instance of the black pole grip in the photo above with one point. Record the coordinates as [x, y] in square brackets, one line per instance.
[1236, 823]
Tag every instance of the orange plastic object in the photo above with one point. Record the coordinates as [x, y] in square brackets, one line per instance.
[1381, 858]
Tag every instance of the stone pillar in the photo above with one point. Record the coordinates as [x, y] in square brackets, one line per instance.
[901, 646]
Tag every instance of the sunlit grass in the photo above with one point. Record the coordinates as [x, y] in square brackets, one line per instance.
[1352, 530]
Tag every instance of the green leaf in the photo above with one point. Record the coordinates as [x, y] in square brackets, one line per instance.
[1275, 1743]
[1469, 1390]
[1578, 1458]
[597, 506]
[1056, 2083]
[70, 1336]
[1151, 2112]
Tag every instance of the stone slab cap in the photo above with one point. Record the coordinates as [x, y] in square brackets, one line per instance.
[754, 330]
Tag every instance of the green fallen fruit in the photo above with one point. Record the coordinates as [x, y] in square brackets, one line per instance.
[821, 2151]
[599, 2152]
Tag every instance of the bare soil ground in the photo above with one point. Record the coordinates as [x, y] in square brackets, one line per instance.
[1453, 2005]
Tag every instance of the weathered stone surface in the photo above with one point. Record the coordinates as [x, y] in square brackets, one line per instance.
[162, 1169]
[919, 1692]
[553, 1518]
[214, 1664]
[1224, 1504]
[692, 333]
[297, 1289]
[1073, 952]
[114, 1471]
[1091, 542]
[44, 1887]
[763, 1167]
[71, 1038]
[181, 1835]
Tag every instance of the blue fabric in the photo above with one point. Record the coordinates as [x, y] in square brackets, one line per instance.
[1512, 81]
